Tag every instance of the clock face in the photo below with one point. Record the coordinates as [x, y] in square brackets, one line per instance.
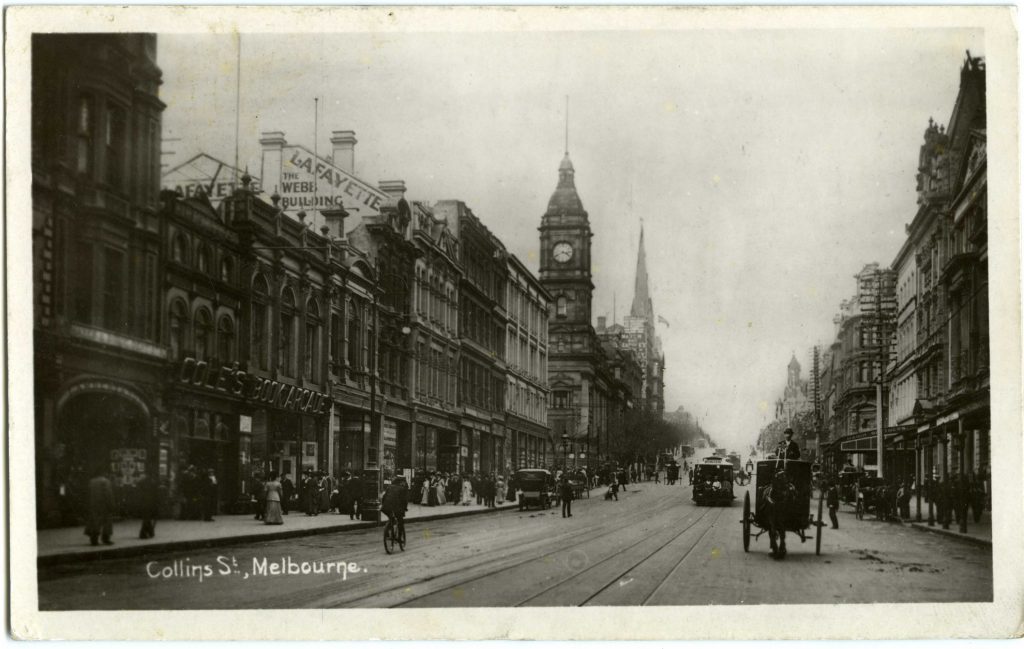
[563, 252]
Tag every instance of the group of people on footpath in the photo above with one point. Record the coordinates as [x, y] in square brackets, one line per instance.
[318, 492]
[442, 488]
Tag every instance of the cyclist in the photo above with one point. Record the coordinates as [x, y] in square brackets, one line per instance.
[395, 501]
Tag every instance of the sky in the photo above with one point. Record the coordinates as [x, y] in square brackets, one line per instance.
[766, 167]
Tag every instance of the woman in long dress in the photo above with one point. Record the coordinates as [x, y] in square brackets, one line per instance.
[425, 491]
[441, 500]
[499, 488]
[272, 492]
[467, 491]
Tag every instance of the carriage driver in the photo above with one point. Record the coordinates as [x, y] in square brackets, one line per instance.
[788, 449]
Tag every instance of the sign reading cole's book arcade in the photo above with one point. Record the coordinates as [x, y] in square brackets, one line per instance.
[257, 390]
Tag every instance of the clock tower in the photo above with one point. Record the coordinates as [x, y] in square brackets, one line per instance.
[565, 252]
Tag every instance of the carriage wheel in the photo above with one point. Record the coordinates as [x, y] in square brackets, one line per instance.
[746, 522]
[821, 525]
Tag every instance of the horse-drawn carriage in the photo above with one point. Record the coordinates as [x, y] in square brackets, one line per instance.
[871, 496]
[782, 504]
[848, 478]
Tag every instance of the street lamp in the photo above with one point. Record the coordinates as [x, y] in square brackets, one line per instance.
[565, 450]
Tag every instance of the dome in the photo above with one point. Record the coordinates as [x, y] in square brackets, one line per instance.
[565, 200]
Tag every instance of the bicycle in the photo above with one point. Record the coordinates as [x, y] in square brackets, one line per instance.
[394, 534]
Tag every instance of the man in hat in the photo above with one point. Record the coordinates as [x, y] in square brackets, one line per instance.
[788, 449]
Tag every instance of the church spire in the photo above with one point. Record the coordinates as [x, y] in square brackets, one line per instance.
[641, 296]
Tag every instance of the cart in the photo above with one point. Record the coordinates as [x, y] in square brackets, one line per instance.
[799, 519]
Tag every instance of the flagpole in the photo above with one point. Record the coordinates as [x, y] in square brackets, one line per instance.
[238, 101]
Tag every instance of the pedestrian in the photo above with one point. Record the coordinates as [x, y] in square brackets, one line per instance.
[258, 493]
[565, 493]
[356, 487]
[310, 502]
[832, 499]
[903, 500]
[467, 491]
[287, 493]
[325, 485]
[439, 486]
[149, 505]
[476, 489]
[209, 495]
[657, 476]
[273, 493]
[100, 519]
[499, 488]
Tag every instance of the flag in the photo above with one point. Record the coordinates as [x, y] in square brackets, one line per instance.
[660, 319]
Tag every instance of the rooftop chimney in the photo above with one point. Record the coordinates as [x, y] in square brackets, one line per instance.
[393, 188]
[343, 150]
[335, 220]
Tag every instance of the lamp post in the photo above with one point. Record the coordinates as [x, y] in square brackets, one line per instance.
[565, 450]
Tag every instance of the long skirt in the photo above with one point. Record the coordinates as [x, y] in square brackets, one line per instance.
[441, 500]
[273, 516]
[500, 493]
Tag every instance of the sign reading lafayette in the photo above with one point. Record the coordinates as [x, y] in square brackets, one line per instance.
[307, 182]
[231, 380]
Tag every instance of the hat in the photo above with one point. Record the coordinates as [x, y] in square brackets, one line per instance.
[788, 431]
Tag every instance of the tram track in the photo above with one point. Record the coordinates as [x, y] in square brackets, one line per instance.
[517, 559]
[607, 559]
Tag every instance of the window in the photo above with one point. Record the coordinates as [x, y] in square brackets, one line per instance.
[84, 131]
[226, 340]
[203, 259]
[113, 290]
[312, 341]
[260, 300]
[561, 306]
[177, 322]
[560, 399]
[286, 350]
[335, 342]
[178, 248]
[115, 146]
[353, 336]
[225, 269]
[80, 281]
[201, 333]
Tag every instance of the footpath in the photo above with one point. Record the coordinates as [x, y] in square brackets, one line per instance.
[70, 544]
[979, 533]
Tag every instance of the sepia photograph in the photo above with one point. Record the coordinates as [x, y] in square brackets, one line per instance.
[514, 311]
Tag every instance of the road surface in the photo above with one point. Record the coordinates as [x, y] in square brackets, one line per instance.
[652, 547]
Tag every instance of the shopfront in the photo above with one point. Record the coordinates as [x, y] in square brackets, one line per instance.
[243, 427]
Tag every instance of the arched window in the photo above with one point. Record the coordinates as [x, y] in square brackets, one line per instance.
[203, 259]
[286, 350]
[225, 269]
[260, 307]
[561, 306]
[226, 339]
[354, 328]
[179, 248]
[201, 334]
[177, 322]
[311, 362]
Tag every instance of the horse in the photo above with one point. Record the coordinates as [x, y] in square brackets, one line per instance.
[779, 501]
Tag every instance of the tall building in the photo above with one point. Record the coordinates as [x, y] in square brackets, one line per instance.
[640, 336]
[795, 398]
[526, 360]
[97, 260]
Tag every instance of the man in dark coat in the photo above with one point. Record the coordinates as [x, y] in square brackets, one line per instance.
[100, 519]
[477, 488]
[832, 499]
[287, 491]
[259, 495]
[309, 493]
[149, 505]
[565, 493]
[788, 449]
